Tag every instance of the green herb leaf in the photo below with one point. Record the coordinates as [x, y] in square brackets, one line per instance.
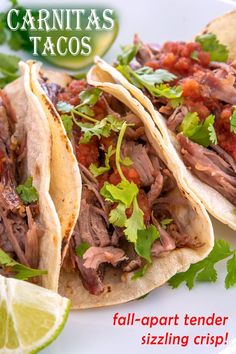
[135, 223]
[202, 133]
[14, 2]
[194, 55]
[165, 222]
[230, 279]
[117, 216]
[68, 124]
[126, 161]
[145, 240]
[205, 269]
[212, 134]
[9, 63]
[148, 77]
[152, 81]
[211, 44]
[8, 68]
[27, 192]
[64, 107]
[85, 110]
[140, 272]
[17, 41]
[233, 121]
[142, 297]
[22, 272]
[103, 127]
[82, 248]
[123, 192]
[115, 124]
[90, 96]
[97, 171]
[128, 53]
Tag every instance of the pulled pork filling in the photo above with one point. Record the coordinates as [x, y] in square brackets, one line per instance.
[19, 234]
[108, 239]
[207, 88]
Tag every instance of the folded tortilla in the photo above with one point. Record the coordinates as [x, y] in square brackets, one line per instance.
[215, 203]
[34, 239]
[119, 286]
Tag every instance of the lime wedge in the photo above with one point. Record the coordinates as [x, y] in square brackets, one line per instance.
[30, 317]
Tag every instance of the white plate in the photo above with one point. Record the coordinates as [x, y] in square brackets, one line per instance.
[92, 331]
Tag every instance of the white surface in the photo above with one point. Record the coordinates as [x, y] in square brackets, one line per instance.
[91, 331]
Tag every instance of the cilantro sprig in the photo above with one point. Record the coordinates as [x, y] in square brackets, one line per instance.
[21, 271]
[125, 194]
[204, 271]
[210, 43]
[97, 128]
[154, 82]
[27, 192]
[202, 133]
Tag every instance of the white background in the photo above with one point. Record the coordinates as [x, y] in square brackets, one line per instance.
[91, 331]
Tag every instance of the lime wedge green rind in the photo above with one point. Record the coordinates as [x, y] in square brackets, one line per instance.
[31, 317]
[58, 331]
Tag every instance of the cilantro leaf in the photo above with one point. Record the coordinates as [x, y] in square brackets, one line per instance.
[17, 41]
[27, 192]
[97, 171]
[103, 127]
[115, 124]
[140, 272]
[194, 55]
[90, 96]
[210, 43]
[202, 133]
[168, 91]
[207, 274]
[8, 68]
[205, 269]
[134, 223]
[64, 107]
[14, 2]
[230, 279]
[212, 134]
[85, 110]
[233, 121]
[165, 222]
[99, 129]
[128, 53]
[152, 81]
[147, 76]
[145, 240]
[82, 248]
[123, 192]
[68, 124]
[126, 161]
[143, 297]
[117, 216]
[22, 272]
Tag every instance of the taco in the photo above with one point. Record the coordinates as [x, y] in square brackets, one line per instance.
[137, 225]
[30, 231]
[189, 90]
